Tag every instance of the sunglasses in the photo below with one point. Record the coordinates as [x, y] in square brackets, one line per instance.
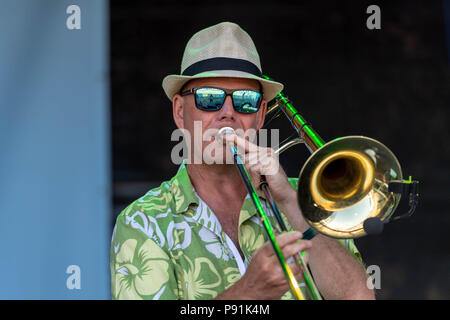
[212, 99]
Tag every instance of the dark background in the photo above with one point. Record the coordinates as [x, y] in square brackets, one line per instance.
[390, 84]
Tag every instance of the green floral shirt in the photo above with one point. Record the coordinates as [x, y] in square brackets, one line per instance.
[169, 245]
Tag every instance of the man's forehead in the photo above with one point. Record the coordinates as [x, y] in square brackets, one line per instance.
[229, 83]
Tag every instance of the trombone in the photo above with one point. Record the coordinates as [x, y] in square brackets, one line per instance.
[348, 187]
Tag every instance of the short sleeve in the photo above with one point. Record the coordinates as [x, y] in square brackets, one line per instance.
[349, 244]
[140, 269]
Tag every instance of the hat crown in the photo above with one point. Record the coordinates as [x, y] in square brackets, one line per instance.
[223, 50]
[226, 40]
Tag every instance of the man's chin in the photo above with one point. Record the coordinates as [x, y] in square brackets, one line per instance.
[225, 158]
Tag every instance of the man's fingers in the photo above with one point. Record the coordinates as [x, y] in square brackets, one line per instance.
[285, 238]
[290, 245]
[241, 143]
[292, 249]
[256, 158]
[259, 158]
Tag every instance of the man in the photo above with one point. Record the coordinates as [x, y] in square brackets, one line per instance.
[197, 236]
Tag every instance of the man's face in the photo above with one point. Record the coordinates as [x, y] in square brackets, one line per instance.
[187, 115]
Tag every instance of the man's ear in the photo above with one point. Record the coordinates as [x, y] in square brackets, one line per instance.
[261, 114]
[178, 111]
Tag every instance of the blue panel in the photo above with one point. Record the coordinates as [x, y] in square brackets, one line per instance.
[446, 9]
[54, 150]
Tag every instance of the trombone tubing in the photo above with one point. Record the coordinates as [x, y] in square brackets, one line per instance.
[311, 138]
[267, 226]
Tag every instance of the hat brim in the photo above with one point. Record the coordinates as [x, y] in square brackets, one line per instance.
[173, 83]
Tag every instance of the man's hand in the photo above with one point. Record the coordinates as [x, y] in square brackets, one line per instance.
[263, 161]
[264, 278]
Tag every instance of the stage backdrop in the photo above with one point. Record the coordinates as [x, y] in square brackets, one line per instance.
[391, 84]
[54, 150]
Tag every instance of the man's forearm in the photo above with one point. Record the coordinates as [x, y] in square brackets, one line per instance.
[234, 292]
[336, 272]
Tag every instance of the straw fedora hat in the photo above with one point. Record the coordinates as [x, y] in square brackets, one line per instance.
[223, 50]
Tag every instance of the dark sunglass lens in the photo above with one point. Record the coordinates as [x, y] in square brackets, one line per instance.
[246, 101]
[209, 99]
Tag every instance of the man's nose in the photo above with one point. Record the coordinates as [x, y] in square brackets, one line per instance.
[227, 108]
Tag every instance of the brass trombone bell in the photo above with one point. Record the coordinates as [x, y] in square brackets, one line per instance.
[340, 178]
[344, 182]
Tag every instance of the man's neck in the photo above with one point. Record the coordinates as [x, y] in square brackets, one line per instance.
[223, 190]
[216, 180]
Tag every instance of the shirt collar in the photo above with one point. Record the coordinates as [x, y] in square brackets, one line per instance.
[183, 190]
[185, 195]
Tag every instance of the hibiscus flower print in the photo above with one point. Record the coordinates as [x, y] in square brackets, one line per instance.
[201, 279]
[140, 271]
[251, 239]
[213, 244]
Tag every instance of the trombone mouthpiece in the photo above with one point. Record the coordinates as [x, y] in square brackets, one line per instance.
[223, 131]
